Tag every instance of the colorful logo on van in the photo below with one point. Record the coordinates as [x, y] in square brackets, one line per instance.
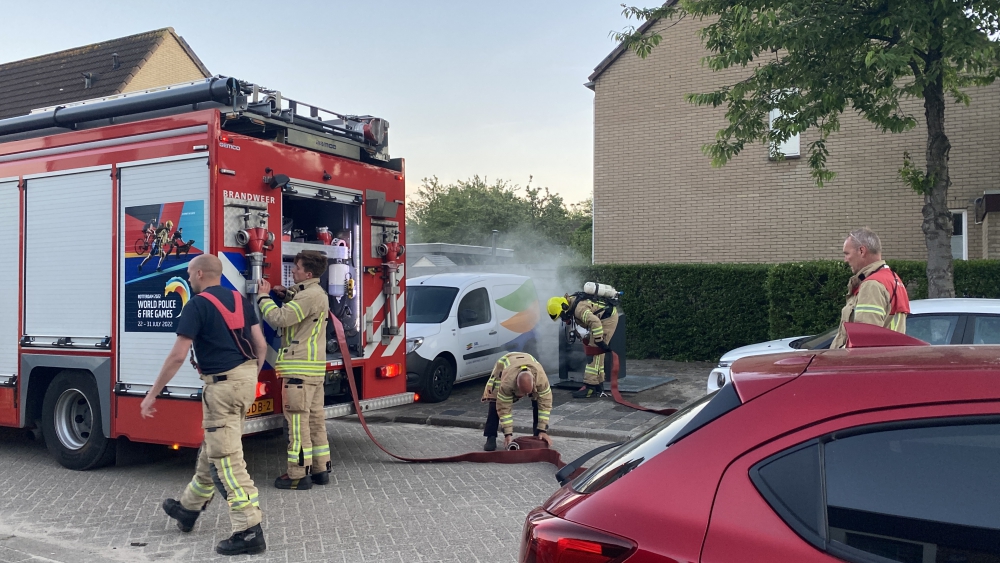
[524, 302]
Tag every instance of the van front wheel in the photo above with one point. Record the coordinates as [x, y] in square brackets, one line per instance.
[438, 380]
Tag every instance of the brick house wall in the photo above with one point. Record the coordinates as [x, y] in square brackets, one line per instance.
[657, 198]
[168, 64]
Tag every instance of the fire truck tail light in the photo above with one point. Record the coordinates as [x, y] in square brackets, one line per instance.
[391, 370]
[261, 389]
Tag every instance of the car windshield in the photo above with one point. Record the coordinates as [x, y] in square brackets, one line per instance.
[819, 342]
[632, 454]
[429, 304]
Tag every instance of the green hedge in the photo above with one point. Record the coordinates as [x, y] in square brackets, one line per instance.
[807, 297]
[687, 311]
[700, 311]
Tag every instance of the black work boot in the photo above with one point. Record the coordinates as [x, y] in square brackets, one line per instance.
[285, 482]
[588, 392]
[185, 518]
[491, 444]
[323, 477]
[248, 541]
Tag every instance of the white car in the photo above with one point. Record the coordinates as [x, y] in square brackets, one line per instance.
[458, 326]
[938, 321]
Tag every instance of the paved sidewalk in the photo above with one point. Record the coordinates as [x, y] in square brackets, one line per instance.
[375, 510]
[595, 419]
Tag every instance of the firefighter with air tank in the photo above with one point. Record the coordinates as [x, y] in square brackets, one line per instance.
[301, 313]
[595, 308]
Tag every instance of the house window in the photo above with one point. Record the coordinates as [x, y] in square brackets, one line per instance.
[790, 148]
[960, 236]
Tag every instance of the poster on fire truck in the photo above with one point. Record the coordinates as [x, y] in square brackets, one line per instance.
[157, 253]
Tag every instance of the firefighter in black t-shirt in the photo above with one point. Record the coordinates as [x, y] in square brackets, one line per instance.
[230, 348]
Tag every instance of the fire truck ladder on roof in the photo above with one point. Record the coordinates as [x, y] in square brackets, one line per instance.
[246, 108]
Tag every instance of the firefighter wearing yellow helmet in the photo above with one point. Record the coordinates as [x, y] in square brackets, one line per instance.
[601, 320]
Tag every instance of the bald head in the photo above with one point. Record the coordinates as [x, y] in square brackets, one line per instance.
[525, 382]
[204, 271]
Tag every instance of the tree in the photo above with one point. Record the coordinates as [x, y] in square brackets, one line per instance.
[536, 223]
[814, 59]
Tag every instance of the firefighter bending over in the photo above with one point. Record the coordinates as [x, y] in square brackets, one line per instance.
[301, 364]
[230, 349]
[516, 375]
[601, 320]
[875, 294]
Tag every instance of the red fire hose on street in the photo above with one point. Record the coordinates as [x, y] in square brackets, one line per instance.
[531, 449]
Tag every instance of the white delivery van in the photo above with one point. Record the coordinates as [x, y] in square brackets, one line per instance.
[458, 326]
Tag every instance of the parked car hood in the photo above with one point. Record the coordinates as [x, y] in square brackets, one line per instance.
[769, 347]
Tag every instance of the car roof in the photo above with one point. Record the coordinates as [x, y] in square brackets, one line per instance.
[463, 280]
[955, 305]
[756, 375]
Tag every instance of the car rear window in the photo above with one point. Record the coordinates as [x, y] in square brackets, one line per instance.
[632, 454]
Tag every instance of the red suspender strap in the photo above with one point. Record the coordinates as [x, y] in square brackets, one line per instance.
[234, 319]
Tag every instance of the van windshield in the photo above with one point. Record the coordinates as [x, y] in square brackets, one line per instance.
[429, 304]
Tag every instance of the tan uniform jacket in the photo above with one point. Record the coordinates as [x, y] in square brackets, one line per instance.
[303, 318]
[588, 314]
[502, 387]
[871, 305]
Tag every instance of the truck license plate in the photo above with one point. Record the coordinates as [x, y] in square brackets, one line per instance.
[262, 406]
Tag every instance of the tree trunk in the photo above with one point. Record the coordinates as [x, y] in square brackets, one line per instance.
[937, 225]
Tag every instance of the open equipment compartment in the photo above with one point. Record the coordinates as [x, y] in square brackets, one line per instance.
[318, 217]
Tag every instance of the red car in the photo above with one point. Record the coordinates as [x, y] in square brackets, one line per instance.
[871, 454]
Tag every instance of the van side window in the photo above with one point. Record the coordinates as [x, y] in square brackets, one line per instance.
[474, 308]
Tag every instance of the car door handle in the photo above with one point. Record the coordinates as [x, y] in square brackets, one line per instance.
[492, 332]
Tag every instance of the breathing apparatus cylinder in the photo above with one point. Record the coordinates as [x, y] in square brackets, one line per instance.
[600, 290]
[339, 272]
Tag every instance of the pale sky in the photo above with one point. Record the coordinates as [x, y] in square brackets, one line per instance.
[473, 87]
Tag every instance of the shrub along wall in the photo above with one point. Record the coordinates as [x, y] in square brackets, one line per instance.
[699, 311]
[687, 311]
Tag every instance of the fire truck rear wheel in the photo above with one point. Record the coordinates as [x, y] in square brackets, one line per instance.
[438, 380]
[71, 422]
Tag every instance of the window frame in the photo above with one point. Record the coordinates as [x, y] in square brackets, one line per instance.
[774, 147]
[820, 539]
[965, 232]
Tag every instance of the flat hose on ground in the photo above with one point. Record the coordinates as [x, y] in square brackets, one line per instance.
[526, 454]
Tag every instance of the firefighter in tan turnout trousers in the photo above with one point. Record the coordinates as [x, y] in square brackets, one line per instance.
[600, 320]
[301, 364]
[875, 294]
[230, 349]
[516, 375]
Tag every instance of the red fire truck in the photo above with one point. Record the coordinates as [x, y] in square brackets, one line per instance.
[103, 203]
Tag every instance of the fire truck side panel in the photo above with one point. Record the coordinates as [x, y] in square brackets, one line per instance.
[177, 422]
[67, 269]
[10, 221]
[174, 191]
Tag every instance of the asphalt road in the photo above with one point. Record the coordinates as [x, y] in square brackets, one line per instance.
[374, 510]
